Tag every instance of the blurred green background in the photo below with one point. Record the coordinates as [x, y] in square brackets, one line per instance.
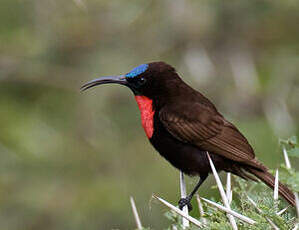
[70, 160]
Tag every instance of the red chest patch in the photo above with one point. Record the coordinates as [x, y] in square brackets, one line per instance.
[147, 114]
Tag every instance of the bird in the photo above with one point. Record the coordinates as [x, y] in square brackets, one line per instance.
[183, 126]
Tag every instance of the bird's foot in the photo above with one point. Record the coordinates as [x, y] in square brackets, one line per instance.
[185, 201]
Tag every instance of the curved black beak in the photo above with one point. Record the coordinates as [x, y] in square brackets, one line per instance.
[121, 79]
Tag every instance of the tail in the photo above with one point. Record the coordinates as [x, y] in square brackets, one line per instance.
[269, 179]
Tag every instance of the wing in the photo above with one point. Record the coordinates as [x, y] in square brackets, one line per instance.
[204, 127]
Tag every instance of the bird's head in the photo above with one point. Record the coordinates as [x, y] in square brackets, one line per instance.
[146, 79]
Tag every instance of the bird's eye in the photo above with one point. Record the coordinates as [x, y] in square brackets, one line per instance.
[142, 80]
[136, 82]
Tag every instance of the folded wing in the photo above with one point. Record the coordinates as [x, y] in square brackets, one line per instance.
[204, 127]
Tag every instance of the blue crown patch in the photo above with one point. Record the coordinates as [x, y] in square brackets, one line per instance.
[137, 70]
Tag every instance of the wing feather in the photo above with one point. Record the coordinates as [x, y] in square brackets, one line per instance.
[207, 129]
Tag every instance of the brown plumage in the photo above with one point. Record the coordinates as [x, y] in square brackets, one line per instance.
[196, 121]
[184, 125]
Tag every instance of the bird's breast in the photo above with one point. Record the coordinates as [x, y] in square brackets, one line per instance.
[145, 105]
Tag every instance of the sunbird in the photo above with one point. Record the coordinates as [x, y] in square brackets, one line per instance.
[183, 125]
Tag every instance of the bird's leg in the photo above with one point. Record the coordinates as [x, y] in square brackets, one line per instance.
[187, 200]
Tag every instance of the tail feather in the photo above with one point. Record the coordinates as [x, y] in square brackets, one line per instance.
[269, 180]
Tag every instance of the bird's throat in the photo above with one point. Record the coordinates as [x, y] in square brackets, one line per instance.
[145, 105]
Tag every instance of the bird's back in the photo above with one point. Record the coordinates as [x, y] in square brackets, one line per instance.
[192, 118]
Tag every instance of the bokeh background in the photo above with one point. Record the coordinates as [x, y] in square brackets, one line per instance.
[70, 160]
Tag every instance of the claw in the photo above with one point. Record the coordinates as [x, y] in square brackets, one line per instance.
[185, 201]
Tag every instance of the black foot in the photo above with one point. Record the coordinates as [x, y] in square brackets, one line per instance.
[185, 201]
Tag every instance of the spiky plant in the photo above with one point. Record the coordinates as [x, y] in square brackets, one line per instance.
[253, 206]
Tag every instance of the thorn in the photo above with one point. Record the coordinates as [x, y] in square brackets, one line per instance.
[184, 195]
[135, 213]
[236, 214]
[286, 158]
[288, 165]
[229, 193]
[201, 212]
[222, 193]
[180, 212]
[282, 210]
[276, 183]
[297, 203]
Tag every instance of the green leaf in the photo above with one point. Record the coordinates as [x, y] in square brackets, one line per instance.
[289, 177]
[293, 152]
[290, 142]
[293, 141]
